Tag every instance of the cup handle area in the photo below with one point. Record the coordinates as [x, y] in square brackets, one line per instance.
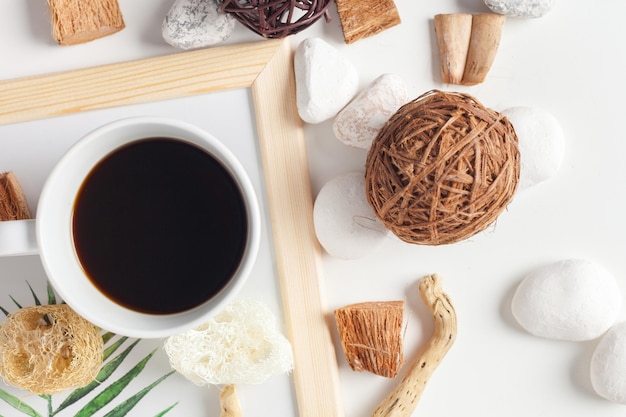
[17, 237]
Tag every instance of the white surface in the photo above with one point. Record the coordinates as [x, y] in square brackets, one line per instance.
[569, 62]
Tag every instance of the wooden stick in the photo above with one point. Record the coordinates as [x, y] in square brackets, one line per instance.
[360, 19]
[229, 402]
[401, 402]
[485, 39]
[13, 203]
[453, 35]
[79, 21]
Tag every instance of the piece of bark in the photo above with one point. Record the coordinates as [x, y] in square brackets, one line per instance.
[361, 19]
[484, 42]
[79, 21]
[371, 335]
[13, 203]
[453, 35]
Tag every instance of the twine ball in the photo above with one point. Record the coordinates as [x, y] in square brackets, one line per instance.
[276, 18]
[442, 168]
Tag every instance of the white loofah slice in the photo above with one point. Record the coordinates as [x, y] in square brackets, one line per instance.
[241, 345]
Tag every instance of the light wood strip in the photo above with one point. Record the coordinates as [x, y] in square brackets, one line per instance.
[133, 82]
[283, 152]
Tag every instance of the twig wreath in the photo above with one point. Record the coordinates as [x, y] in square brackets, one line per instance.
[276, 18]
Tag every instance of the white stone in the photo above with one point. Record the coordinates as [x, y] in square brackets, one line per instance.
[360, 121]
[572, 300]
[196, 23]
[541, 143]
[325, 80]
[345, 223]
[608, 365]
[521, 8]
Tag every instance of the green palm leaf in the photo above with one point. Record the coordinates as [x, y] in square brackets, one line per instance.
[122, 409]
[18, 404]
[164, 412]
[52, 299]
[114, 389]
[37, 302]
[105, 372]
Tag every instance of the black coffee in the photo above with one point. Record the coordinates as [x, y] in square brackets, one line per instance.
[159, 226]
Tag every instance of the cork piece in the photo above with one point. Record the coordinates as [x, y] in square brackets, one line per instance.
[13, 204]
[361, 19]
[372, 337]
[75, 22]
[467, 45]
[453, 35]
[484, 42]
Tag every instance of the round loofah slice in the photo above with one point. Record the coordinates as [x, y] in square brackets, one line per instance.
[47, 349]
[442, 168]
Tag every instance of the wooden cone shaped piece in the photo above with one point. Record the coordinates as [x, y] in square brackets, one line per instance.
[13, 204]
[484, 42]
[372, 337]
[453, 36]
[79, 21]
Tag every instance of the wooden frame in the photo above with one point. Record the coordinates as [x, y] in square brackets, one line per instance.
[266, 68]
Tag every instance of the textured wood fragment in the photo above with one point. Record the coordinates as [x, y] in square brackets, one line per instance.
[453, 36]
[13, 203]
[364, 18]
[467, 45]
[79, 21]
[403, 399]
[484, 42]
[371, 335]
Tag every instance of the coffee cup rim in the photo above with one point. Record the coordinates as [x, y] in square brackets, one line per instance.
[56, 248]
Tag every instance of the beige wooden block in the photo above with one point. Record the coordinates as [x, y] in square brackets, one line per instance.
[364, 18]
[79, 21]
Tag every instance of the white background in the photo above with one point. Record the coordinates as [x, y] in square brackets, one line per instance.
[571, 63]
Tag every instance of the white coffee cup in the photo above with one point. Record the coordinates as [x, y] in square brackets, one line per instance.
[50, 234]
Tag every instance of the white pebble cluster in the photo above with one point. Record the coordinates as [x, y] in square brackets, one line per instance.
[578, 300]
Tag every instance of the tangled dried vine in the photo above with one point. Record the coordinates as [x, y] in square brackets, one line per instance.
[276, 18]
[442, 168]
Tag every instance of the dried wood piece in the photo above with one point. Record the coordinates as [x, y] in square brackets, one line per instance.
[484, 42]
[360, 19]
[79, 21]
[467, 45]
[372, 337]
[453, 35]
[13, 203]
[401, 402]
[229, 402]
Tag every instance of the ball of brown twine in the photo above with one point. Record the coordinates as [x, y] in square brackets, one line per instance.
[276, 18]
[442, 168]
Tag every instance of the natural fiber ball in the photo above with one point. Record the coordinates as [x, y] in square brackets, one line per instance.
[442, 168]
[47, 349]
[276, 18]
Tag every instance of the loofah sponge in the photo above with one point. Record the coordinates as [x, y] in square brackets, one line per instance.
[240, 345]
[47, 349]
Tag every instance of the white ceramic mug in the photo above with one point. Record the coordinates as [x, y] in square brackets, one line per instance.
[50, 234]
